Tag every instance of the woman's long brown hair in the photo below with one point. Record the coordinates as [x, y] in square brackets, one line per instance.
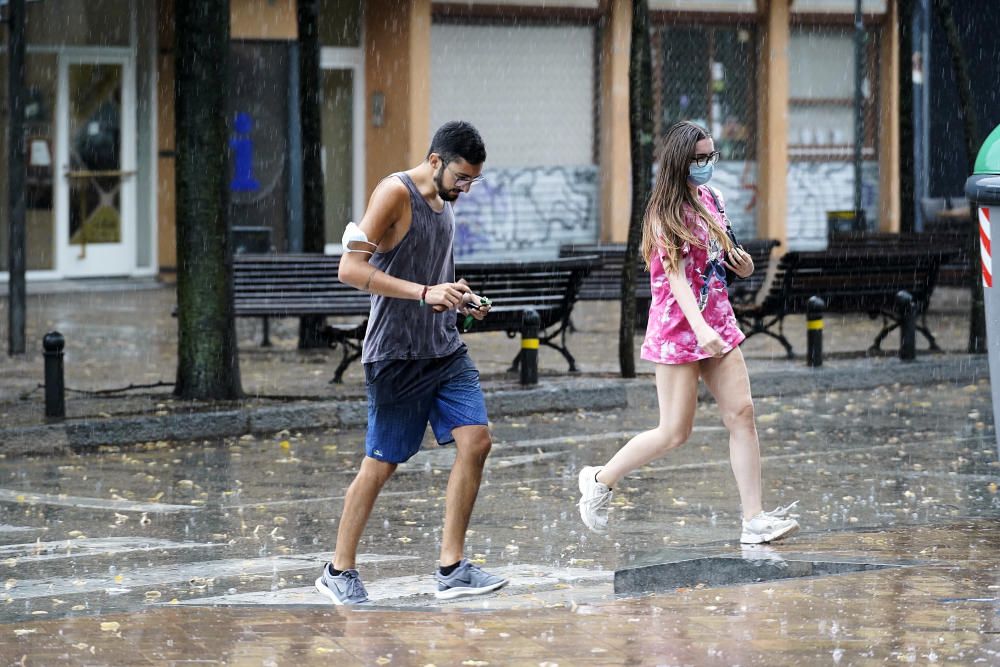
[663, 226]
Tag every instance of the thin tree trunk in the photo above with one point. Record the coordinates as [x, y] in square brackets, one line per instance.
[907, 160]
[16, 176]
[960, 64]
[310, 95]
[641, 142]
[207, 361]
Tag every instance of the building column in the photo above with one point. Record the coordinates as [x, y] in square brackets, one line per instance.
[772, 145]
[615, 149]
[166, 209]
[397, 86]
[888, 137]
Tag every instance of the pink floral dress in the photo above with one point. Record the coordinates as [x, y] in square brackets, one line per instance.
[669, 337]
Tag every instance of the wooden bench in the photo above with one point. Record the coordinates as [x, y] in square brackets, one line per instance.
[294, 285]
[852, 280]
[604, 281]
[551, 287]
[954, 236]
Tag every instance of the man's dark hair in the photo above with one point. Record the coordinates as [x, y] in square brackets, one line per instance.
[458, 139]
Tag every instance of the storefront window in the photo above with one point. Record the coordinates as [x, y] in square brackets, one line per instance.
[338, 150]
[706, 74]
[39, 134]
[821, 104]
[258, 137]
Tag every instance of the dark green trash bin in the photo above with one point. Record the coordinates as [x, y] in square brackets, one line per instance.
[983, 191]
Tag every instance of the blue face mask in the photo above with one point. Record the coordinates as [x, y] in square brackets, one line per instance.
[700, 175]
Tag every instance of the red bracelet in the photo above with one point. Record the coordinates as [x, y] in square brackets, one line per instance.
[423, 296]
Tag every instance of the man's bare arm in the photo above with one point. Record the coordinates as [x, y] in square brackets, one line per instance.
[388, 205]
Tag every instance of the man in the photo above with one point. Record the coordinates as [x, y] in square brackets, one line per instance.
[416, 366]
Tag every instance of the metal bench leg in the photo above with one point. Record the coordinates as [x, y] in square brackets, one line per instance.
[567, 355]
[266, 338]
[929, 336]
[515, 366]
[350, 354]
[780, 337]
[889, 328]
[886, 330]
[757, 326]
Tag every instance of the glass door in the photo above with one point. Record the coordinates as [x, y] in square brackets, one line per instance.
[342, 111]
[96, 158]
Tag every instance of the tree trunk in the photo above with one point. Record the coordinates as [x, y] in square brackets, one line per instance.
[17, 287]
[310, 96]
[207, 361]
[641, 143]
[907, 159]
[960, 64]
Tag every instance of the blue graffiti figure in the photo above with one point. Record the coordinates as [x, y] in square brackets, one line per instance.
[242, 145]
[467, 240]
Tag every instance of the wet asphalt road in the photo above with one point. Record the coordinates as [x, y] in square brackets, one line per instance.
[250, 520]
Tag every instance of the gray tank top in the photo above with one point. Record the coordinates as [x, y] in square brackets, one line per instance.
[402, 328]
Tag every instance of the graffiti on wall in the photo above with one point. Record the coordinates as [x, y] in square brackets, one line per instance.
[814, 188]
[527, 212]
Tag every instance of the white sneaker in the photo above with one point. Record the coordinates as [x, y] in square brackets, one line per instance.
[594, 500]
[769, 526]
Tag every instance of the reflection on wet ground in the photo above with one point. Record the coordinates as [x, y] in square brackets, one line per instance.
[185, 550]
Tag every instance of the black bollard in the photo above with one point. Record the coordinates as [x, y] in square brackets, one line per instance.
[814, 331]
[907, 311]
[55, 387]
[529, 346]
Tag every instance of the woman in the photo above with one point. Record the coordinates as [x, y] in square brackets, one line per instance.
[692, 333]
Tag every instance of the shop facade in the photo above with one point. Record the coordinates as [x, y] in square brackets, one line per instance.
[545, 82]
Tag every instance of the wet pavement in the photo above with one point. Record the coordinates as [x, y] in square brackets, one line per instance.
[189, 552]
[176, 552]
[941, 610]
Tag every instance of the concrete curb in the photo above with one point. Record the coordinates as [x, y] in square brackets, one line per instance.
[554, 396]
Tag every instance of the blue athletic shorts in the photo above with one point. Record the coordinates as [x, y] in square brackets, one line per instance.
[404, 395]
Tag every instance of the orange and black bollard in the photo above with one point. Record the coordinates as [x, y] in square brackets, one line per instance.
[529, 346]
[814, 331]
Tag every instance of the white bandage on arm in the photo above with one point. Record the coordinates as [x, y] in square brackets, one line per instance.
[355, 240]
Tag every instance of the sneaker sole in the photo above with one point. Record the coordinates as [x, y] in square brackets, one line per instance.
[581, 479]
[453, 593]
[328, 594]
[768, 537]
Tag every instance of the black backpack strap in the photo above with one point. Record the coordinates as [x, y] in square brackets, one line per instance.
[730, 275]
[718, 203]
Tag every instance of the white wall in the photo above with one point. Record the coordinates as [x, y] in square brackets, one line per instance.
[528, 89]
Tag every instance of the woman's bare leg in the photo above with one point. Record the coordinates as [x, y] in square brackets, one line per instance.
[727, 379]
[677, 395]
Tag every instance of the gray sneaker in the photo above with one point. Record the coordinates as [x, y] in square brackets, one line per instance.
[466, 579]
[345, 588]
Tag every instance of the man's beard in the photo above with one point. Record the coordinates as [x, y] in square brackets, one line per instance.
[446, 195]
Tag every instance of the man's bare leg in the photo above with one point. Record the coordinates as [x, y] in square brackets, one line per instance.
[358, 504]
[473, 444]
